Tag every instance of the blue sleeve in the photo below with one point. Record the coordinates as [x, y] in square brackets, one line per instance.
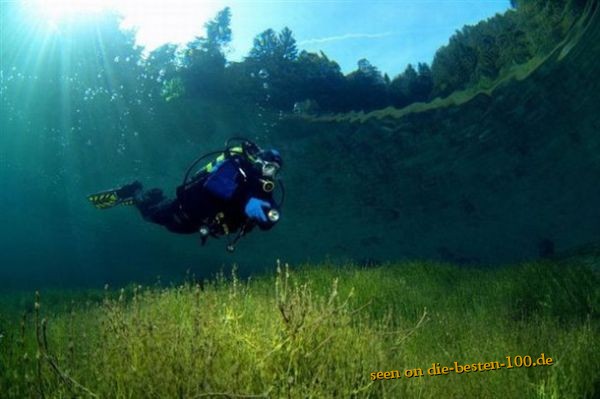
[223, 182]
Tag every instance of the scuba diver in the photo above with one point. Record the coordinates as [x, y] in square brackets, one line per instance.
[233, 193]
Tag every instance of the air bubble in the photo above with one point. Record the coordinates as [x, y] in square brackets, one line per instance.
[263, 73]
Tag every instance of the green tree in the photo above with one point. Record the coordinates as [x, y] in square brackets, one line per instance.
[366, 88]
[411, 86]
[272, 59]
[203, 63]
[410, 79]
[272, 48]
[454, 65]
[265, 46]
[320, 79]
[218, 31]
[424, 85]
[287, 45]
[547, 21]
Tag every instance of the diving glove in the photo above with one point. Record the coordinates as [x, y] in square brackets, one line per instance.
[255, 209]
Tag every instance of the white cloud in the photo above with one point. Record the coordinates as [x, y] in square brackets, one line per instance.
[347, 36]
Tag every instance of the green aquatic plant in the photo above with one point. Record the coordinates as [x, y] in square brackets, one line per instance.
[314, 332]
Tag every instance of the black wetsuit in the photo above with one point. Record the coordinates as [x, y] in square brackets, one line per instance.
[215, 200]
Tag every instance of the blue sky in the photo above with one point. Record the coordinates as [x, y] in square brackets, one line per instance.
[389, 33]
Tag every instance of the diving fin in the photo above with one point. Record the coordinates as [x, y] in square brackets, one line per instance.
[125, 195]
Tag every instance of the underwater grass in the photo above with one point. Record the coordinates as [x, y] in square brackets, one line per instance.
[315, 332]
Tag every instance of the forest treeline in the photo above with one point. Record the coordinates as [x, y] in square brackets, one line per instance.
[276, 73]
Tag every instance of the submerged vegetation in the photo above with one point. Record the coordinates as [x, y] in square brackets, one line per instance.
[315, 332]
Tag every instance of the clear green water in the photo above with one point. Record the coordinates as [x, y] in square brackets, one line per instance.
[506, 175]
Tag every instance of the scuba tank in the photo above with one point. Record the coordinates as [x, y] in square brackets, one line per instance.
[246, 148]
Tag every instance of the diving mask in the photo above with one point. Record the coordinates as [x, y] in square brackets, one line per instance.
[269, 162]
[268, 169]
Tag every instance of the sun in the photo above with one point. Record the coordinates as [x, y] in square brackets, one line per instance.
[156, 21]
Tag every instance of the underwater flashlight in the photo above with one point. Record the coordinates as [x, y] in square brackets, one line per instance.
[273, 215]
